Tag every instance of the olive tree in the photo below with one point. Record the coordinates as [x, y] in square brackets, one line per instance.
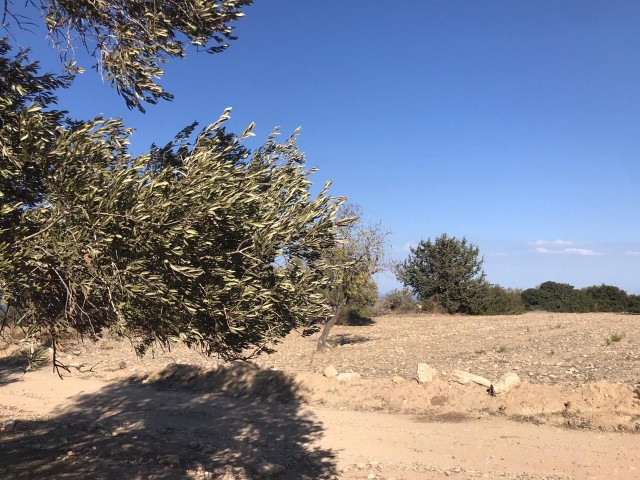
[130, 40]
[200, 241]
[447, 272]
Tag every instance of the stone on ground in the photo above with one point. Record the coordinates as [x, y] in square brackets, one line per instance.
[330, 372]
[506, 383]
[426, 373]
[464, 378]
[348, 376]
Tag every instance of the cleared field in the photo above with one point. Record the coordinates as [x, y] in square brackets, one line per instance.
[541, 347]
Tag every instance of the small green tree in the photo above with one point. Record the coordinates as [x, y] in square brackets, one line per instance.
[358, 255]
[498, 300]
[447, 271]
[361, 302]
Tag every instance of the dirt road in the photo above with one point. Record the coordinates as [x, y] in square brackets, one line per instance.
[84, 426]
[404, 447]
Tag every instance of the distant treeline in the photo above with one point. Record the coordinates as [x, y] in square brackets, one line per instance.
[562, 297]
[497, 300]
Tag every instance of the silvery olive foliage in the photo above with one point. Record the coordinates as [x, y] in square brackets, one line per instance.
[200, 241]
[130, 40]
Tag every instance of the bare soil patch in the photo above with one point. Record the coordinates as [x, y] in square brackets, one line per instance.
[541, 347]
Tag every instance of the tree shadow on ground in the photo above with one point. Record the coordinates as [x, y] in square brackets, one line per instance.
[358, 321]
[346, 339]
[185, 422]
[12, 367]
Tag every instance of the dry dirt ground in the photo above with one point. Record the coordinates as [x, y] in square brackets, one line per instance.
[179, 415]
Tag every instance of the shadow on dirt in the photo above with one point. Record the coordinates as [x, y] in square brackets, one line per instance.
[358, 321]
[185, 422]
[12, 367]
[346, 339]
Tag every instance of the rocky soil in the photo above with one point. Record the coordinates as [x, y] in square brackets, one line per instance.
[545, 348]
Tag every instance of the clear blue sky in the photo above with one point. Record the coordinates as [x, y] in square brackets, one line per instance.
[515, 124]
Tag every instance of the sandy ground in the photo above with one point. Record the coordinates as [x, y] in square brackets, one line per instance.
[179, 415]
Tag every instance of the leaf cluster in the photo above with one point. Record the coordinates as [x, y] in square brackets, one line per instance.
[132, 39]
[200, 241]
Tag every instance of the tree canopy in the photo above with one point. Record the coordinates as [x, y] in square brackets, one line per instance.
[200, 240]
[447, 272]
[130, 40]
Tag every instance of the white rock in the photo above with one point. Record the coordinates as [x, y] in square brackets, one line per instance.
[330, 372]
[426, 373]
[348, 376]
[8, 425]
[397, 379]
[505, 384]
[464, 378]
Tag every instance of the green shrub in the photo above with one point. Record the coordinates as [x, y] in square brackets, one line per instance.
[615, 338]
[557, 297]
[501, 301]
[397, 302]
[634, 303]
[607, 298]
[361, 302]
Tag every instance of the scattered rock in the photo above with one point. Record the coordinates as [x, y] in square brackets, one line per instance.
[348, 376]
[268, 469]
[330, 372]
[464, 378]
[426, 373]
[8, 424]
[397, 379]
[505, 384]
